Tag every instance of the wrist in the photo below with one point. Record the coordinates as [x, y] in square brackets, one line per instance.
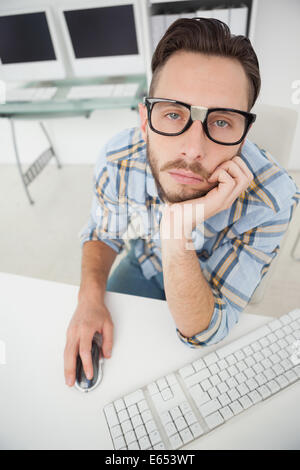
[91, 292]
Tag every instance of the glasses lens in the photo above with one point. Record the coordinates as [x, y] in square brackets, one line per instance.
[226, 126]
[169, 118]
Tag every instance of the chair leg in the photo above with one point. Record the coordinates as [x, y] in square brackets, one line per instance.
[296, 258]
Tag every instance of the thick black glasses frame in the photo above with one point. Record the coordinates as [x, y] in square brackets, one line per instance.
[149, 102]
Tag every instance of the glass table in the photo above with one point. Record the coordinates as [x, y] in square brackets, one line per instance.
[60, 106]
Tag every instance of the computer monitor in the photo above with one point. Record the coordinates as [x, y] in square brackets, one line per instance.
[104, 38]
[28, 46]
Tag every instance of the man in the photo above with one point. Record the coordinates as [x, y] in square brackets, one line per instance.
[211, 206]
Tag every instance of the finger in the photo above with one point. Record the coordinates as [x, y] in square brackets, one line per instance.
[234, 170]
[220, 175]
[240, 162]
[85, 348]
[107, 344]
[70, 356]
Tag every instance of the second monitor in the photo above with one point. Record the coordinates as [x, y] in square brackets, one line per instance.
[104, 40]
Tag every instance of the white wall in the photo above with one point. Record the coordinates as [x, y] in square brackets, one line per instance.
[277, 39]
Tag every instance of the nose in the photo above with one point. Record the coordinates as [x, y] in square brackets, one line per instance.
[194, 138]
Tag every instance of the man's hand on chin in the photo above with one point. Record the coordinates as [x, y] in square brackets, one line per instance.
[231, 178]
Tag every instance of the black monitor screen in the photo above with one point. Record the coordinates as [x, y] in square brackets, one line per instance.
[102, 32]
[25, 38]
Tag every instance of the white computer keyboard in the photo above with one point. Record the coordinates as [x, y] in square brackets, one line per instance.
[184, 405]
[102, 91]
[30, 94]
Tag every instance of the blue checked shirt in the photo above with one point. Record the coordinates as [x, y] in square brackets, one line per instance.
[235, 247]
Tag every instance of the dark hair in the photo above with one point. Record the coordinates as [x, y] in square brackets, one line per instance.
[208, 36]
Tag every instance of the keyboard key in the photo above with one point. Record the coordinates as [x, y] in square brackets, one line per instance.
[185, 407]
[133, 446]
[196, 430]
[282, 381]
[210, 359]
[224, 399]
[130, 437]
[146, 416]
[186, 435]
[116, 431]
[180, 423]
[140, 431]
[134, 397]
[197, 378]
[159, 446]
[209, 407]
[226, 412]
[119, 405]
[167, 394]
[126, 426]
[190, 418]
[150, 426]
[153, 388]
[175, 441]
[236, 407]
[186, 371]
[123, 416]
[214, 420]
[175, 412]
[154, 437]
[165, 417]
[162, 384]
[170, 429]
[136, 421]
[144, 443]
[264, 391]
[119, 442]
[245, 402]
[111, 415]
[199, 364]
[255, 397]
[133, 411]
[143, 406]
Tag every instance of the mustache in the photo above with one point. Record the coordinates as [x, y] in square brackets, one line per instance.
[194, 167]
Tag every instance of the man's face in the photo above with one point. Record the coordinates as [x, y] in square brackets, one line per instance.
[201, 80]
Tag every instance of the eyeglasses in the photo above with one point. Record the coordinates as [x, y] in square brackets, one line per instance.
[225, 126]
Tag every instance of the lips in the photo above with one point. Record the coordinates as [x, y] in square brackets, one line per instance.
[186, 174]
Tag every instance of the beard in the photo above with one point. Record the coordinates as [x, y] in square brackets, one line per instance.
[185, 193]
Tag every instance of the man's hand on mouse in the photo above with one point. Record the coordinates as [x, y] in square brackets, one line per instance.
[231, 178]
[90, 317]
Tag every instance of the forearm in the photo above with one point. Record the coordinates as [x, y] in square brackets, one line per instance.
[97, 260]
[189, 296]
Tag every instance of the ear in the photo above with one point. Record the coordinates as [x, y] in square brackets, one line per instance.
[144, 120]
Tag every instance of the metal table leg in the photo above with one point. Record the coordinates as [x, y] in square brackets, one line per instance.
[38, 165]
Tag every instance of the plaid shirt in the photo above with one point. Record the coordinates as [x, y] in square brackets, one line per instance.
[235, 247]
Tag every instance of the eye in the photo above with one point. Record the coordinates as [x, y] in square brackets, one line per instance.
[223, 122]
[173, 116]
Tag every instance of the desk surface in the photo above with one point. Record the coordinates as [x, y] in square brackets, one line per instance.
[61, 106]
[37, 410]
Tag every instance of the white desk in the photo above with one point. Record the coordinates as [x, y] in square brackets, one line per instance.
[37, 410]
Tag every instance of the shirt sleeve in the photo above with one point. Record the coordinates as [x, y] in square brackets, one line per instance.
[235, 269]
[108, 219]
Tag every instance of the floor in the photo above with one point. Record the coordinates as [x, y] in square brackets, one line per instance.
[41, 240]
